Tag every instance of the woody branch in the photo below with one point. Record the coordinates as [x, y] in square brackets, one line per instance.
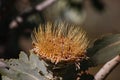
[107, 68]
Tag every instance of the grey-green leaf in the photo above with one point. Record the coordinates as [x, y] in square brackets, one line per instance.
[23, 56]
[40, 64]
[6, 78]
[105, 48]
[25, 68]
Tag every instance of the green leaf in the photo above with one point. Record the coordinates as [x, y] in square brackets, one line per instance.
[105, 49]
[26, 68]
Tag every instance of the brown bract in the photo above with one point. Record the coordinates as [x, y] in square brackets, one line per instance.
[59, 42]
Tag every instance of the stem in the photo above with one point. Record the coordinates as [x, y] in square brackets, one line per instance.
[107, 68]
[44, 5]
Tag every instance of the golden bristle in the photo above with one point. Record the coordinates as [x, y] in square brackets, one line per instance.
[60, 42]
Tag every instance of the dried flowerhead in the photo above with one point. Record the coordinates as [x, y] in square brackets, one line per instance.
[60, 42]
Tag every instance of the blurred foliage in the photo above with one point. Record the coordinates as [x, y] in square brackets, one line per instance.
[105, 49]
[98, 5]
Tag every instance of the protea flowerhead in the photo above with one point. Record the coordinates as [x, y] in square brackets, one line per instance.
[59, 42]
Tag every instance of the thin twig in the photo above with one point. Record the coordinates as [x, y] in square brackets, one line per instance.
[37, 8]
[44, 5]
[107, 68]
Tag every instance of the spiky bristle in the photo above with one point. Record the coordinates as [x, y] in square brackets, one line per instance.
[60, 42]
